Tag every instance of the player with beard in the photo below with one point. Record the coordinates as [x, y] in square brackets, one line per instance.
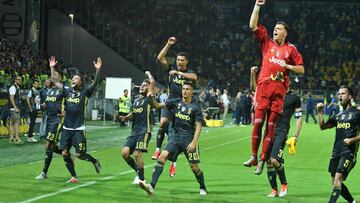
[346, 143]
[73, 133]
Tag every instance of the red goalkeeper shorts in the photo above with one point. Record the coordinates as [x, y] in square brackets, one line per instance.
[270, 94]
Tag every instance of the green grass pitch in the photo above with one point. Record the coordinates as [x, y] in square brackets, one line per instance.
[223, 150]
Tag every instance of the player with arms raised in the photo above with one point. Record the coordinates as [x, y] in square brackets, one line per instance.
[279, 57]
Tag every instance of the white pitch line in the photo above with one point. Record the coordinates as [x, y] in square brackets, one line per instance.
[113, 176]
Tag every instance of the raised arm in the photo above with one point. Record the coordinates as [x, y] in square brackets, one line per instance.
[53, 79]
[155, 104]
[253, 71]
[322, 124]
[254, 19]
[162, 55]
[152, 83]
[97, 66]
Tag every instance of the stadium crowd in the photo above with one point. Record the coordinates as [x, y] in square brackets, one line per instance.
[223, 45]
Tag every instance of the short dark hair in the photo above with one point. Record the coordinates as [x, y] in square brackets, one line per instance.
[34, 81]
[183, 54]
[189, 83]
[350, 90]
[286, 26]
[125, 90]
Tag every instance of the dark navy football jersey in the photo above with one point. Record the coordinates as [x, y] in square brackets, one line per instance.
[141, 110]
[185, 117]
[75, 102]
[176, 82]
[54, 100]
[347, 125]
[291, 102]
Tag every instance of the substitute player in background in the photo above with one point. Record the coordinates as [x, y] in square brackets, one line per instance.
[275, 164]
[177, 76]
[73, 133]
[188, 118]
[54, 106]
[346, 143]
[279, 57]
[137, 142]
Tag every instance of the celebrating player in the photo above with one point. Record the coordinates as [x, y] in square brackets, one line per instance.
[138, 141]
[346, 144]
[177, 76]
[275, 164]
[74, 126]
[279, 57]
[188, 117]
[54, 111]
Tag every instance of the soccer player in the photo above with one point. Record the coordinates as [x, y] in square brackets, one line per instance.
[275, 164]
[74, 126]
[177, 76]
[346, 143]
[54, 105]
[138, 141]
[279, 57]
[188, 118]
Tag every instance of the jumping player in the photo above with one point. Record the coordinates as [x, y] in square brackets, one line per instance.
[177, 76]
[279, 57]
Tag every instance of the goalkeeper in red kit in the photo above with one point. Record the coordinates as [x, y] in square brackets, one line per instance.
[279, 57]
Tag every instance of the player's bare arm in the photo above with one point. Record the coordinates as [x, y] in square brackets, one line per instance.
[254, 19]
[296, 68]
[155, 104]
[253, 72]
[52, 64]
[191, 147]
[299, 122]
[127, 117]
[97, 66]
[322, 124]
[352, 140]
[162, 55]
[152, 83]
[191, 76]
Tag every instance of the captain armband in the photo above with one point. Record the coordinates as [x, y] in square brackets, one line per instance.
[298, 114]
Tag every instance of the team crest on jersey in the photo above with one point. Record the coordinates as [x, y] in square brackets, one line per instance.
[183, 109]
[343, 117]
[277, 53]
[75, 94]
[189, 111]
[286, 54]
[272, 49]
